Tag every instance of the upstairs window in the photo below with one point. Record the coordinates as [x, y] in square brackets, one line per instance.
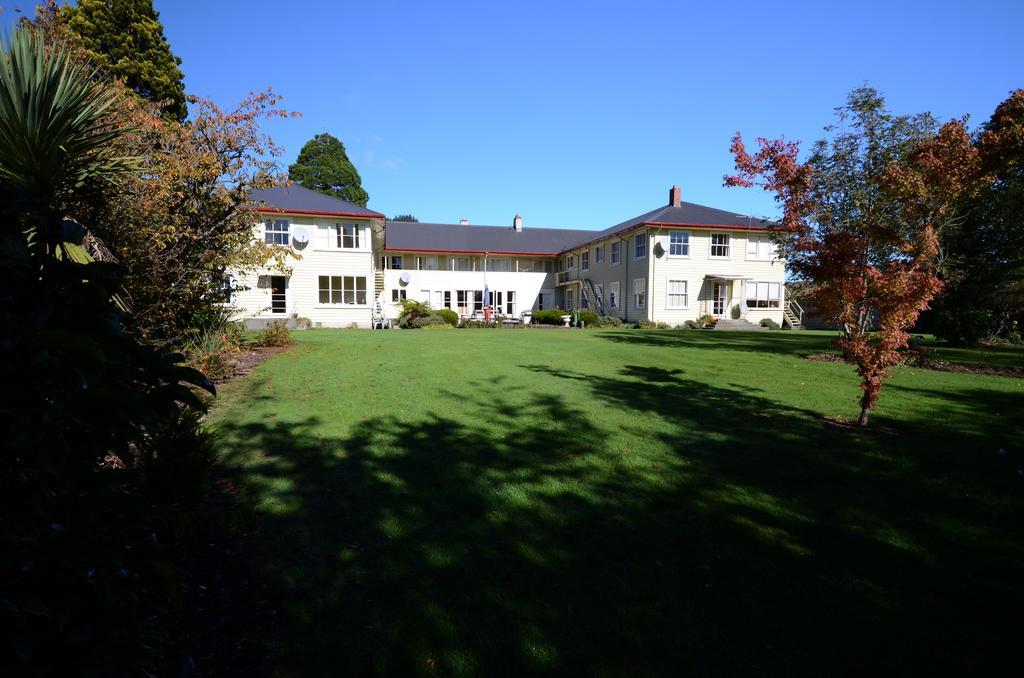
[720, 245]
[461, 264]
[500, 265]
[679, 244]
[348, 236]
[396, 262]
[616, 253]
[276, 232]
[599, 254]
[570, 262]
[761, 248]
[640, 246]
[585, 261]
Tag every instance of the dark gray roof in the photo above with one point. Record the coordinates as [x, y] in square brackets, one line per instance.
[298, 199]
[408, 235]
[405, 235]
[686, 214]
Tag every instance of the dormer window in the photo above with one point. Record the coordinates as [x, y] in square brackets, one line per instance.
[276, 232]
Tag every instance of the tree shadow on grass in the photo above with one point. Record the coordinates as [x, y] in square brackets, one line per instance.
[743, 539]
[783, 343]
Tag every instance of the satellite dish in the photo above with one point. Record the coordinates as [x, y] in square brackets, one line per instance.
[659, 249]
[300, 237]
[405, 277]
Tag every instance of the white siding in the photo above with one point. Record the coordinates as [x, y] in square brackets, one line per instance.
[321, 257]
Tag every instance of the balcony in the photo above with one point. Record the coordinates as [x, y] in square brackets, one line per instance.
[568, 277]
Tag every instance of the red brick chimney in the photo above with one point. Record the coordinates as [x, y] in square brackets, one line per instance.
[675, 197]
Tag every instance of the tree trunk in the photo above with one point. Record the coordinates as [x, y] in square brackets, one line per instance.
[863, 421]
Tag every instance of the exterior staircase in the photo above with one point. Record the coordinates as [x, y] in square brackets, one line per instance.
[378, 284]
[792, 315]
[594, 302]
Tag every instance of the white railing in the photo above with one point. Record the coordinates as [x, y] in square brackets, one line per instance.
[565, 277]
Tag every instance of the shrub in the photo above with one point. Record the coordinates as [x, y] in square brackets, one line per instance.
[608, 321]
[588, 318]
[411, 310]
[449, 316]
[208, 354]
[477, 324]
[706, 320]
[549, 316]
[964, 326]
[691, 325]
[645, 325]
[769, 323]
[427, 321]
[275, 334]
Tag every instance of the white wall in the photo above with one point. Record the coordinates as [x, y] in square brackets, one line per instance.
[321, 257]
[700, 263]
[525, 285]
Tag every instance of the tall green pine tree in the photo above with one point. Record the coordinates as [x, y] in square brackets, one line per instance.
[127, 39]
[324, 166]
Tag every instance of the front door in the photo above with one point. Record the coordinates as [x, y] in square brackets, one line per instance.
[718, 299]
[278, 298]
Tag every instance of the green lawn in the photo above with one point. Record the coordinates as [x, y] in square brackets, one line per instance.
[625, 502]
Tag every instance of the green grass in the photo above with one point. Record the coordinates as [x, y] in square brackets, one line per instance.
[497, 502]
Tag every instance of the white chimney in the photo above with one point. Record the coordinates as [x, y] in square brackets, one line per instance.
[517, 223]
[463, 221]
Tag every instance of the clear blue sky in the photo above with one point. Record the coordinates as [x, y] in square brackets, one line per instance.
[582, 115]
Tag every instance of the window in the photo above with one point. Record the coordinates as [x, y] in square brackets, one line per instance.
[584, 300]
[447, 299]
[764, 295]
[545, 300]
[549, 266]
[677, 296]
[354, 290]
[599, 293]
[569, 300]
[396, 262]
[227, 288]
[585, 261]
[761, 248]
[640, 246]
[639, 292]
[348, 236]
[525, 265]
[462, 302]
[616, 253]
[426, 263]
[460, 264]
[510, 302]
[570, 261]
[613, 296]
[438, 299]
[599, 254]
[720, 245]
[478, 300]
[336, 289]
[679, 244]
[501, 265]
[330, 289]
[276, 231]
[398, 295]
[496, 301]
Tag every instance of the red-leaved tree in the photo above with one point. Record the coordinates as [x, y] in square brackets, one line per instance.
[859, 222]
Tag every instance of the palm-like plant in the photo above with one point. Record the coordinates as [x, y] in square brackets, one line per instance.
[56, 133]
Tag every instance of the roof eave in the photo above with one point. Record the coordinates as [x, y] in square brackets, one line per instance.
[279, 210]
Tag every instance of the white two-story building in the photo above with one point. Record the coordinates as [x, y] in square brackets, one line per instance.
[675, 263]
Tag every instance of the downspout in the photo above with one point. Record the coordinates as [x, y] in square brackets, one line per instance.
[625, 283]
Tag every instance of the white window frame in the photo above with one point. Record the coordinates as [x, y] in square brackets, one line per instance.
[570, 262]
[349, 289]
[685, 294]
[613, 296]
[569, 300]
[342, 234]
[615, 253]
[599, 291]
[639, 246]
[401, 262]
[684, 245]
[727, 245]
[331, 289]
[765, 248]
[762, 291]
[277, 232]
[639, 293]
[452, 261]
[491, 261]
[599, 254]
[398, 294]
[585, 261]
